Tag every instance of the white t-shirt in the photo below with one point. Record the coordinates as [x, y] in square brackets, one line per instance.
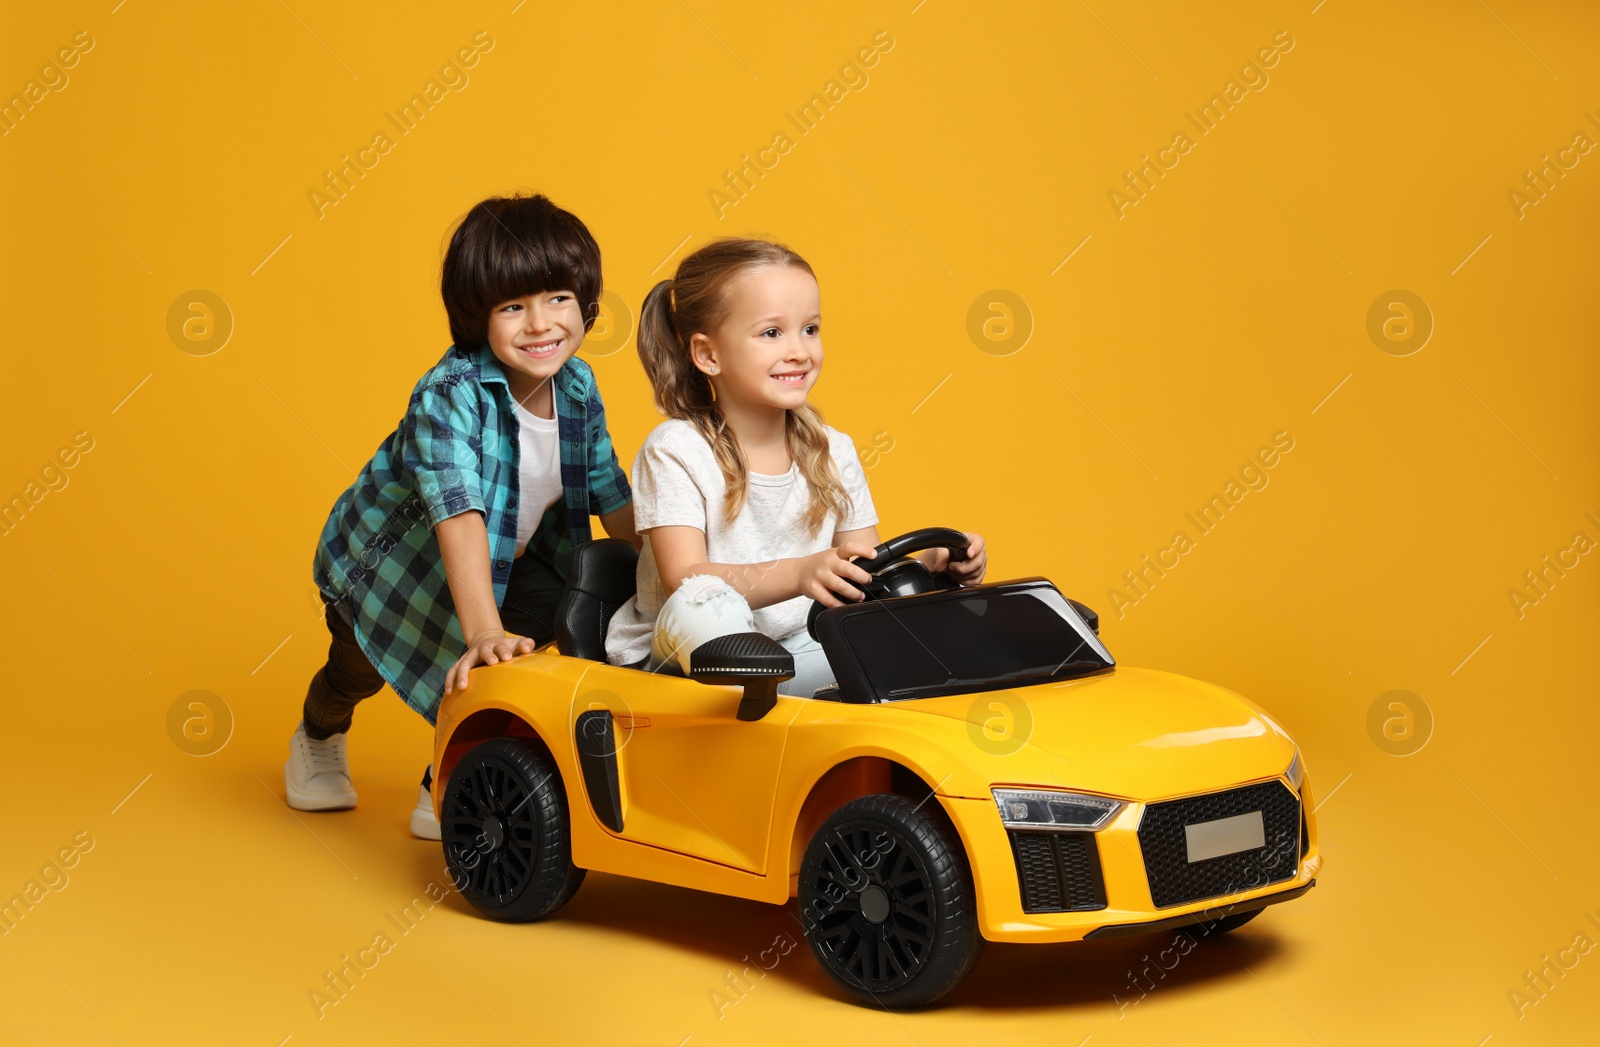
[676, 481]
[538, 470]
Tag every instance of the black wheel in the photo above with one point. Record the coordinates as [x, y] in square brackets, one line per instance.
[507, 839]
[887, 902]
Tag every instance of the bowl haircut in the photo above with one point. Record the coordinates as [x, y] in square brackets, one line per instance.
[507, 247]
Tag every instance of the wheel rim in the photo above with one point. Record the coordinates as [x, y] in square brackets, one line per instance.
[872, 917]
[490, 835]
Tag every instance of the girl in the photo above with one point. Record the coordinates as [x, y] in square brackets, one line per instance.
[750, 507]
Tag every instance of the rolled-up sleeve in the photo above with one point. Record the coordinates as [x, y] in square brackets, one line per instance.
[440, 431]
[608, 484]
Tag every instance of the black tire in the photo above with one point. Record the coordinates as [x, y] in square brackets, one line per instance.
[506, 834]
[887, 902]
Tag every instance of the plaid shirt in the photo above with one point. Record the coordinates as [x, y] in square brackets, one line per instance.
[455, 450]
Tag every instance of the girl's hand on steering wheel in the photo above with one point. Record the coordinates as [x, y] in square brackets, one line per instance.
[962, 572]
[970, 571]
[826, 576]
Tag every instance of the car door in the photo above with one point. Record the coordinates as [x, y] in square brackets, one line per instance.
[692, 777]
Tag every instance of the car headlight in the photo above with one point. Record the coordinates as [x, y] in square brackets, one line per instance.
[1049, 809]
[1297, 770]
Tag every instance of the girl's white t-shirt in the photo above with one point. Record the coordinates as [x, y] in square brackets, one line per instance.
[538, 470]
[676, 481]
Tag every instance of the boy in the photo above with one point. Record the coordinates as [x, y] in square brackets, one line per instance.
[456, 532]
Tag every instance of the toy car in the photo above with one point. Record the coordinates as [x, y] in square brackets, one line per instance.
[983, 770]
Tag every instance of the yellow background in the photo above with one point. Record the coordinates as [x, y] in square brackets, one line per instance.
[1225, 307]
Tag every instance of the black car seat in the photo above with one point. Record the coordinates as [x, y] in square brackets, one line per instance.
[600, 578]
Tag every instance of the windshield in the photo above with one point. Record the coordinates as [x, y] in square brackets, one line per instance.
[978, 639]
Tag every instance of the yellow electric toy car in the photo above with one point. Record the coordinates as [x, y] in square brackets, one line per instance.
[983, 770]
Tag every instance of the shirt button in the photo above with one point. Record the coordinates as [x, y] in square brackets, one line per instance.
[511, 503]
[501, 564]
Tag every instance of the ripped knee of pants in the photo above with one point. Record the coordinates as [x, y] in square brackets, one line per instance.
[698, 589]
[701, 608]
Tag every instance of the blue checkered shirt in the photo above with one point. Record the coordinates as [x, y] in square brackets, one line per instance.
[455, 450]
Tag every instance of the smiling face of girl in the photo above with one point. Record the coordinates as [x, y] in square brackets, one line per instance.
[532, 336]
[767, 351]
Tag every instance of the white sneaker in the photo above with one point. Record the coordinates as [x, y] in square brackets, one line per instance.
[424, 824]
[317, 774]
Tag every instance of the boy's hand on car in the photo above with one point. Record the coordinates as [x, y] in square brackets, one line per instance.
[826, 576]
[487, 648]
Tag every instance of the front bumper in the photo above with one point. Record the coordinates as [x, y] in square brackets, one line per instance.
[1123, 903]
[1211, 912]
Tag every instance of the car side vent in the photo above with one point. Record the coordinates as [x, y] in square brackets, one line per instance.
[1058, 871]
[597, 758]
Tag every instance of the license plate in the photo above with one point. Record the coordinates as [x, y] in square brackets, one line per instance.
[1242, 832]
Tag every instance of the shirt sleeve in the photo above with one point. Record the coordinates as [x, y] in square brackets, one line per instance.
[438, 431]
[862, 513]
[608, 484]
[669, 492]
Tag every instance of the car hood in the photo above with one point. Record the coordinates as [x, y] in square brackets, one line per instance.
[1131, 733]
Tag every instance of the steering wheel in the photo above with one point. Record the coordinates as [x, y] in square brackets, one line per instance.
[894, 571]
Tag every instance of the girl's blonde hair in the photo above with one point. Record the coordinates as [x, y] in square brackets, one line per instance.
[695, 301]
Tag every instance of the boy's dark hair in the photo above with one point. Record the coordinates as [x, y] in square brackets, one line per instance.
[510, 246]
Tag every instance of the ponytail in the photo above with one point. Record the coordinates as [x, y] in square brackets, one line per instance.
[682, 390]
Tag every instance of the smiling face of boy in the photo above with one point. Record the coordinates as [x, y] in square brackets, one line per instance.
[532, 336]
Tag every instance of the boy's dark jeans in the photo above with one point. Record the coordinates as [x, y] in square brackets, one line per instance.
[529, 609]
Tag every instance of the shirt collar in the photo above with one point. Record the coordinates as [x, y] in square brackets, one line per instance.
[574, 379]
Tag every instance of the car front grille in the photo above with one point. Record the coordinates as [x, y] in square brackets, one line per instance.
[1175, 880]
[1058, 871]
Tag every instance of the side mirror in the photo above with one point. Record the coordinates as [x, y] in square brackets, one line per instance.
[754, 661]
